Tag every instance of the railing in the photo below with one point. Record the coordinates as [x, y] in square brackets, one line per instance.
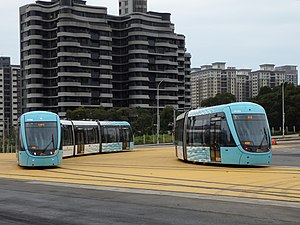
[152, 139]
[8, 148]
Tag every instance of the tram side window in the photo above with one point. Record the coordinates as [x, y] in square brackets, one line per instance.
[220, 133]
[109, 135]
[179, 132]
[104, 135]
[125, 134]
[112, 134]
[198, 131]
[226, 136]
[67, 136]
[79, 136]
[205, 130]
[91, 135]
[129, 133]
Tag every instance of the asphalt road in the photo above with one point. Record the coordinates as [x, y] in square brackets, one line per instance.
[227, 195]
[286, 153]
[22, 202]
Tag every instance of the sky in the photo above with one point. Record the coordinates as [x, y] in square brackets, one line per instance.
[242, 33]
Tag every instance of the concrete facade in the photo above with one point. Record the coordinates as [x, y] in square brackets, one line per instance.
[9, 96]
[132, 6]
[76, 55]
[209, 80]
[266, 76]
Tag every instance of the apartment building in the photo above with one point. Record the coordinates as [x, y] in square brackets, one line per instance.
[131, 6]
[9, 108]
[195, 88]
[145, 52]
[76, 55]
[291, 73]
[265, 76]
[209, 80]
[242, 85]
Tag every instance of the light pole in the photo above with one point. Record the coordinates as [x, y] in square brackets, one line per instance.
[3, 144]
[283, 114]
[3, 136]
[158, 117]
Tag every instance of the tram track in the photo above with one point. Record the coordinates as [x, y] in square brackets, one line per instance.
[271, 190]
[158, 170]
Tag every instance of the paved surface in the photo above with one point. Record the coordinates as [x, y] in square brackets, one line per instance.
[287, 153]
[26, 202]
[153, 170]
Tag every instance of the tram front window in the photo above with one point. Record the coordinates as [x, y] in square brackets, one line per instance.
[253, 132]
[41, 138]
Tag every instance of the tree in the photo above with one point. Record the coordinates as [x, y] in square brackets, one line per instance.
[142, 120]
[166, 118]
[271, 100]
[219, 99]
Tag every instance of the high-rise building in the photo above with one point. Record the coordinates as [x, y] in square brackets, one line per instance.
[195, 88]
[267, 76]
[209, 80]
[65, 56]
[9, 82]
[242, 85]
[145, 52]
[76, 55]
[131, 6]
[291, 73]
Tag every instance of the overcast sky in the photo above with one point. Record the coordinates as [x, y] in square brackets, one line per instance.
[242, 33]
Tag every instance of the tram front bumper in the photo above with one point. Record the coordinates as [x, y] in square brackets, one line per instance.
[256, 159]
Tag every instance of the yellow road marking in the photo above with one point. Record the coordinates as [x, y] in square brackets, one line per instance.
[158, 169]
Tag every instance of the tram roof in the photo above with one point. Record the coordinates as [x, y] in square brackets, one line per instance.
[120, 123]
[94, 123]
[39, 116]
[238, 106]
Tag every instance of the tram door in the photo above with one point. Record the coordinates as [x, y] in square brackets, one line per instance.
[125, 138]
[215, 139]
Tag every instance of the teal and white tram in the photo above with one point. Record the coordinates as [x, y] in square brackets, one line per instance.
[236, 133]
[44, 139]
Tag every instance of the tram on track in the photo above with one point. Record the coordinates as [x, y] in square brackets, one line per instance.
[235, 133]
[44, 139]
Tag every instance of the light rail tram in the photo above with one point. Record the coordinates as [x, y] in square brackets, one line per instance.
[235, 133]
[44, 139]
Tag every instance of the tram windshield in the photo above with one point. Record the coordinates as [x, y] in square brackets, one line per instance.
[41, 138]
[253, 132]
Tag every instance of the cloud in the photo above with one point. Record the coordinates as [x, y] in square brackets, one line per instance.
[243, 32]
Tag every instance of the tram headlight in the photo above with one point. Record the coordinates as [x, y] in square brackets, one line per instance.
[248, 149]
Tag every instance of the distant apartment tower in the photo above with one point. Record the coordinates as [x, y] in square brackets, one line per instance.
[76, 55]
[291, 73]
[242, 85]
[245, 84]
[131, 6]
[195, 88]
[9, 81]
[209, 80]
[267, 76]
